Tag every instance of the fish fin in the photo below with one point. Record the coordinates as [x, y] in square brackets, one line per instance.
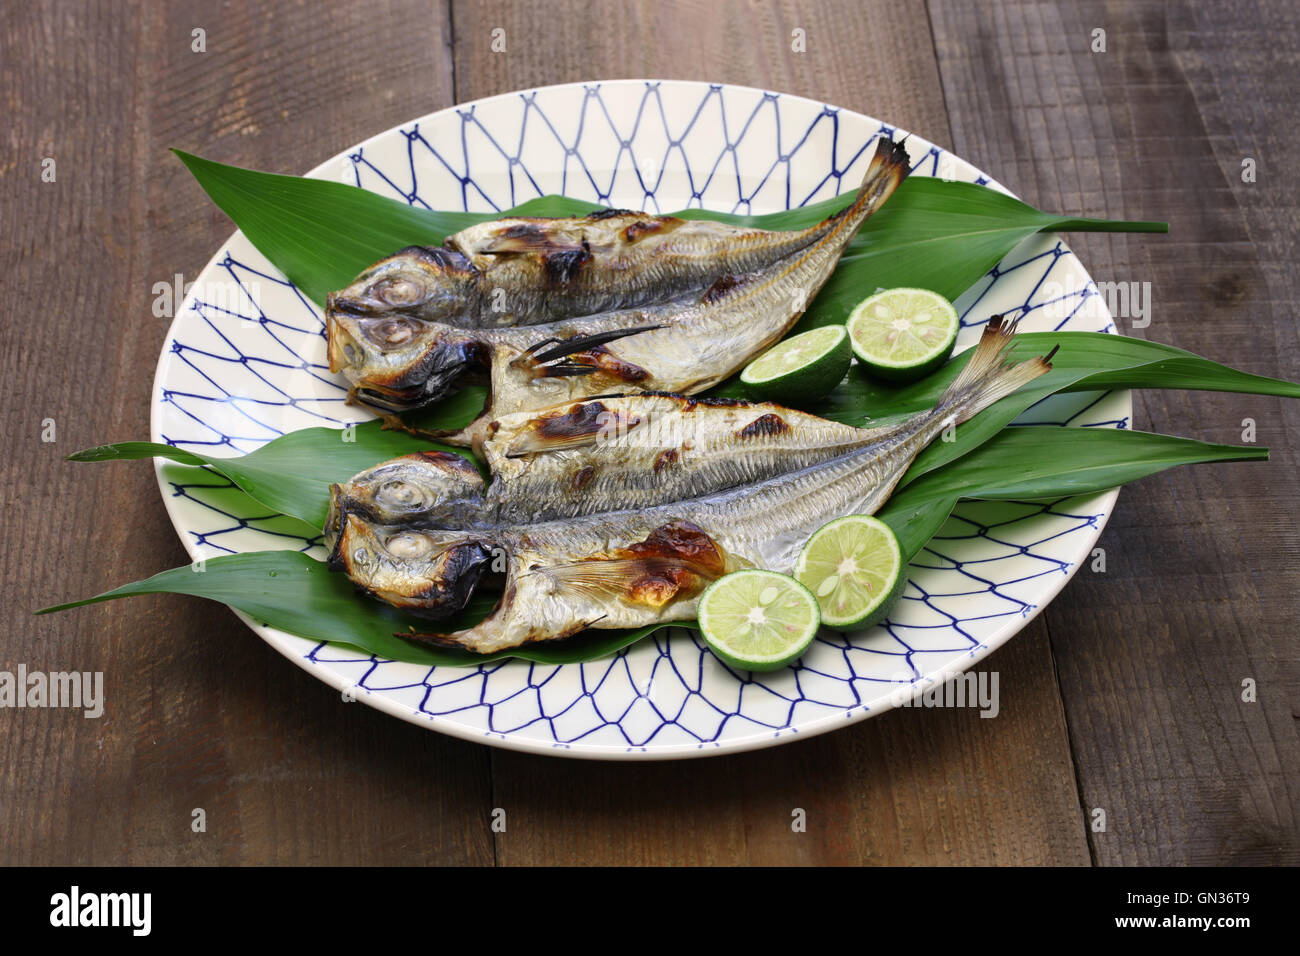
[434, 638]
[525, 237]
[577, 426]
[675, 560]
[391, 421]
[986, 377]
[652, 581]
[580, 343]
[532, 444]
[543, 360]
[567, 370]
[888, 168]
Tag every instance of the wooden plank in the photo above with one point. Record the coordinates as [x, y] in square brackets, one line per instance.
[915, 787]
[1200, 591]
[911, 787]
[870, 57]
[199, 713]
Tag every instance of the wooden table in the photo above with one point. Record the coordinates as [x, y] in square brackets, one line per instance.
[1125, 695]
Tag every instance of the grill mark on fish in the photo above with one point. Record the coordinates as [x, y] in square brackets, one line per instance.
[524, 237]
[578, 427]
[438, 256]
[769, 424]
[584, 418]
[600, 214]
[682, 541]
[664, 459]
[641, 229]
[447, 458]
[582, 477]
[718, 291]
[590, 361]
[674, 560]
[562, 266]
[715, 403]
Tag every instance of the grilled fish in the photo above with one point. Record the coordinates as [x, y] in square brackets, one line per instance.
[525, 271]
[605, 454]
[632, 567]
[398, 362]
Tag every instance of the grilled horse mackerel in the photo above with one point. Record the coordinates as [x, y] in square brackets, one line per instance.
[605, 454]
[398, 361]
[633, 567]
[522, 271]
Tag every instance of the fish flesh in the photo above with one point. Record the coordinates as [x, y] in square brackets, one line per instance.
[400, 362]
[638, 566]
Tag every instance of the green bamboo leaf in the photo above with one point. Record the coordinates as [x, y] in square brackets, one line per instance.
[1087, 361]
[931, 234]
[291, 592]
[294, 593]
[1032, 462]
[292, 473]
[317, 232]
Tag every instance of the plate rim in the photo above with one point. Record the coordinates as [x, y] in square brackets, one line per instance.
[291, 645]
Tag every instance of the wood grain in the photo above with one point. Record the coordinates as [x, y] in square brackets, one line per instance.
[878, 792]
[874, 57]
[911, 787]
[1200, 591]
[1145, 718]
[199, 713]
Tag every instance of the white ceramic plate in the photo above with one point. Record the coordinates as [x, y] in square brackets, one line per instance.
[245, 362]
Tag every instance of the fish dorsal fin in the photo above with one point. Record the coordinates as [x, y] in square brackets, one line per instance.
[600, 214]
[546, 358]
[526, 237]
[579, 426]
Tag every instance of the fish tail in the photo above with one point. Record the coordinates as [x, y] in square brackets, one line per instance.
[986, 377]
[887, 170]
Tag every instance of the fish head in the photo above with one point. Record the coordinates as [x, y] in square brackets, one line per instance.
[394, 361]
[430, 573]
[426, 282]
[431, 488]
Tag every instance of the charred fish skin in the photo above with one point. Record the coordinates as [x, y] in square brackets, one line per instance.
[678, 346]
[635, 567]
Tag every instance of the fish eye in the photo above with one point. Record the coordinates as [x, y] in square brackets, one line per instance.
[408, 545]
[400, 494]
[398, 292]
[391, 332]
